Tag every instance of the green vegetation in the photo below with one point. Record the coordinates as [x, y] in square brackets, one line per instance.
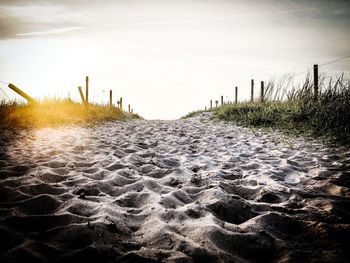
[194, 113]
[56, 112]
[296, 110]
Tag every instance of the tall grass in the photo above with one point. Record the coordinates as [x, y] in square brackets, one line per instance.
[56, 112]
[294, 108]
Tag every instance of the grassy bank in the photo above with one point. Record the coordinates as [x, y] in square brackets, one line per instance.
[296, 110]
[56, 112]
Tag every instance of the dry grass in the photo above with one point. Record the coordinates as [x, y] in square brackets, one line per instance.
[328, 116]
[56, 112]
[294, 109]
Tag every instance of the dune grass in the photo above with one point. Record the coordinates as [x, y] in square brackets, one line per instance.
[56, 112]
[296, 110]
[194, 113]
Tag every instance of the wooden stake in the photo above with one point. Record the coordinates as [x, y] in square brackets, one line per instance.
[121, 103]
[252, 91]
[236, 95]
[129, 108]
[262, 92]
[216, 103]
[315, 81]
[211, 104]
[110, 98]
[87, 90]
[22, 93]
[81, 95]
[222, 100]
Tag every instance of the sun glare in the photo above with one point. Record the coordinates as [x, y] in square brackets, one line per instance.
[53, 67]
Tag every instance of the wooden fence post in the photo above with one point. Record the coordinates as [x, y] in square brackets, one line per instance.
[87, 90]
[110, 98]
[121, 103]
[216, 103]
[129, 108]
[315, 81]
[262, 92]
[222, 100]
[22, 93]
[211, 104]
[81, 95]
[252, 91]
[236, 95]
[205, 108]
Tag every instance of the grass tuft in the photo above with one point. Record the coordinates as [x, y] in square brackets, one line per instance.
[56, 112]
[296, 110]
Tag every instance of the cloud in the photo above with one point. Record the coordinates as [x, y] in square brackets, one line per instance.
[24, 21]
[31, 18]
[17, 27]
[9, 26]
[51, 31]
[209, 20]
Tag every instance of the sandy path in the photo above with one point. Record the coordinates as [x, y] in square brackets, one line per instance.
[171, 191]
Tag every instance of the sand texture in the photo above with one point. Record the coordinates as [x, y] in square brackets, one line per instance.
[171, 191]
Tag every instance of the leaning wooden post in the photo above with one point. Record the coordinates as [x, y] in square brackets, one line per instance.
[129, 108]
[81, 95]
[211, 104]
[252, 91]
[87, 90]
[236, 95]
[110, 98]
[262, 92]
[315, 81]
[121, 103]
[222, 100]
[22, 93]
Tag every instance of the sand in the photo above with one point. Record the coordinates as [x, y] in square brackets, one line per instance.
[171, 191]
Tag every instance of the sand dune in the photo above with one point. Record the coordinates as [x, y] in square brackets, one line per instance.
[171, 191]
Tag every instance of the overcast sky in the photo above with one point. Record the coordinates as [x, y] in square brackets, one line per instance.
[163, 57]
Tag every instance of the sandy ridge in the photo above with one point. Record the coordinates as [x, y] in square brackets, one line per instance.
[171, 191]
